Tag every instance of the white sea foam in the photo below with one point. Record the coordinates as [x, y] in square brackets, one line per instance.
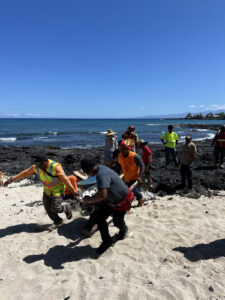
[55, 133]
[40, 138]
[199, 129]
[11, 139]
[103, 132]
[153, 124]
[209, 136]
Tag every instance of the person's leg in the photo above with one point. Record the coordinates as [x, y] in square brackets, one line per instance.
[216, 155]
[189, 177]
[57, 207]
[47, 202]
[167, 155]
[91, 221]
[118, 221]
[102, 214]
[148, 179]
[221, 150]
[136, 193]
[183, 175]
[173, 152]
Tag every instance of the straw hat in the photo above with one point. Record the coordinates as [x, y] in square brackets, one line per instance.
[142, 142]
[80, 174]
[110, 132]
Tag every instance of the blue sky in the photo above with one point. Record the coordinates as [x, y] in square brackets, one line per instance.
[111, 58]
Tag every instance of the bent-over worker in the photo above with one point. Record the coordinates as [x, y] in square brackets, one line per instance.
[114, 198]
[132, 168]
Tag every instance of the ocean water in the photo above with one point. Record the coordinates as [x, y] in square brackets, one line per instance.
[86, 133]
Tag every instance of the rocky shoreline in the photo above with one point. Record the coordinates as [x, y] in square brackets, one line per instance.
[202, 126]
[207, 179]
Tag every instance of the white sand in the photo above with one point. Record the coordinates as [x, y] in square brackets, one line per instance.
[57, 265]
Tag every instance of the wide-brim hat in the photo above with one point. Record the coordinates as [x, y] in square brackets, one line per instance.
[110, 132]
[142, 142]
[80, 174]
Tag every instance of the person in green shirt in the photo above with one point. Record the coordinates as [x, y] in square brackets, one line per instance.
[170, 140]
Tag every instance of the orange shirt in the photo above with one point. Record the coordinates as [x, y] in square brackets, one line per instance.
[130, 169]
[59, 172]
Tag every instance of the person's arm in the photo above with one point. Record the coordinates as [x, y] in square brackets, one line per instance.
[21, 175]
[147, 165]
[139, 162]
[193, 153]
[59, 172]
[101, 195]
[176, 139]
[162, 139]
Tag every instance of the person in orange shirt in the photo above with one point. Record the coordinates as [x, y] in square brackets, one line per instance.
[54, 182]
[133, 168]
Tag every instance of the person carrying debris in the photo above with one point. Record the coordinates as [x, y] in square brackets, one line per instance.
[114, 198]
[74, 179]
[219, 147]
[54, 182]
[147, 160]
[170, 140]
[187, 157]
[132, 168]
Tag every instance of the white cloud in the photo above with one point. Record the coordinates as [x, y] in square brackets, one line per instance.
[202, 107]
[141, 108]
[216, 106]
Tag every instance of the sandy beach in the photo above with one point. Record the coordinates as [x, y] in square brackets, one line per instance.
[174, 250]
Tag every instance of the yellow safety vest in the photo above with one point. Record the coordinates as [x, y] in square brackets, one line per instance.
[170, 139]
[53, 186]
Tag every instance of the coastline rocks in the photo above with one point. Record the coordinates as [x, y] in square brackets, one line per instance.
[166, 181]
[203, 126]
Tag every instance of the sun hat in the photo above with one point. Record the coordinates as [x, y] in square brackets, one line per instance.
[110, 132]
[80, 174]
[188, 136]
[142, 142]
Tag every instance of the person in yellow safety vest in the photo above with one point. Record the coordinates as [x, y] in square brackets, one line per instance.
[170, 140]
[219, 147]
[133, 168]
[54, 182]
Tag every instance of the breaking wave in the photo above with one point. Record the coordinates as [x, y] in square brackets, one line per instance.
[10, 139]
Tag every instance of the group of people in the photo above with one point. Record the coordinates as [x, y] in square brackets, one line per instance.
[114, 195]
[131, 143]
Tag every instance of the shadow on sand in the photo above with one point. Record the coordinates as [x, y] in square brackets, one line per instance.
[198, 252]
[58, 255]
[30, 228]
[70, 230]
